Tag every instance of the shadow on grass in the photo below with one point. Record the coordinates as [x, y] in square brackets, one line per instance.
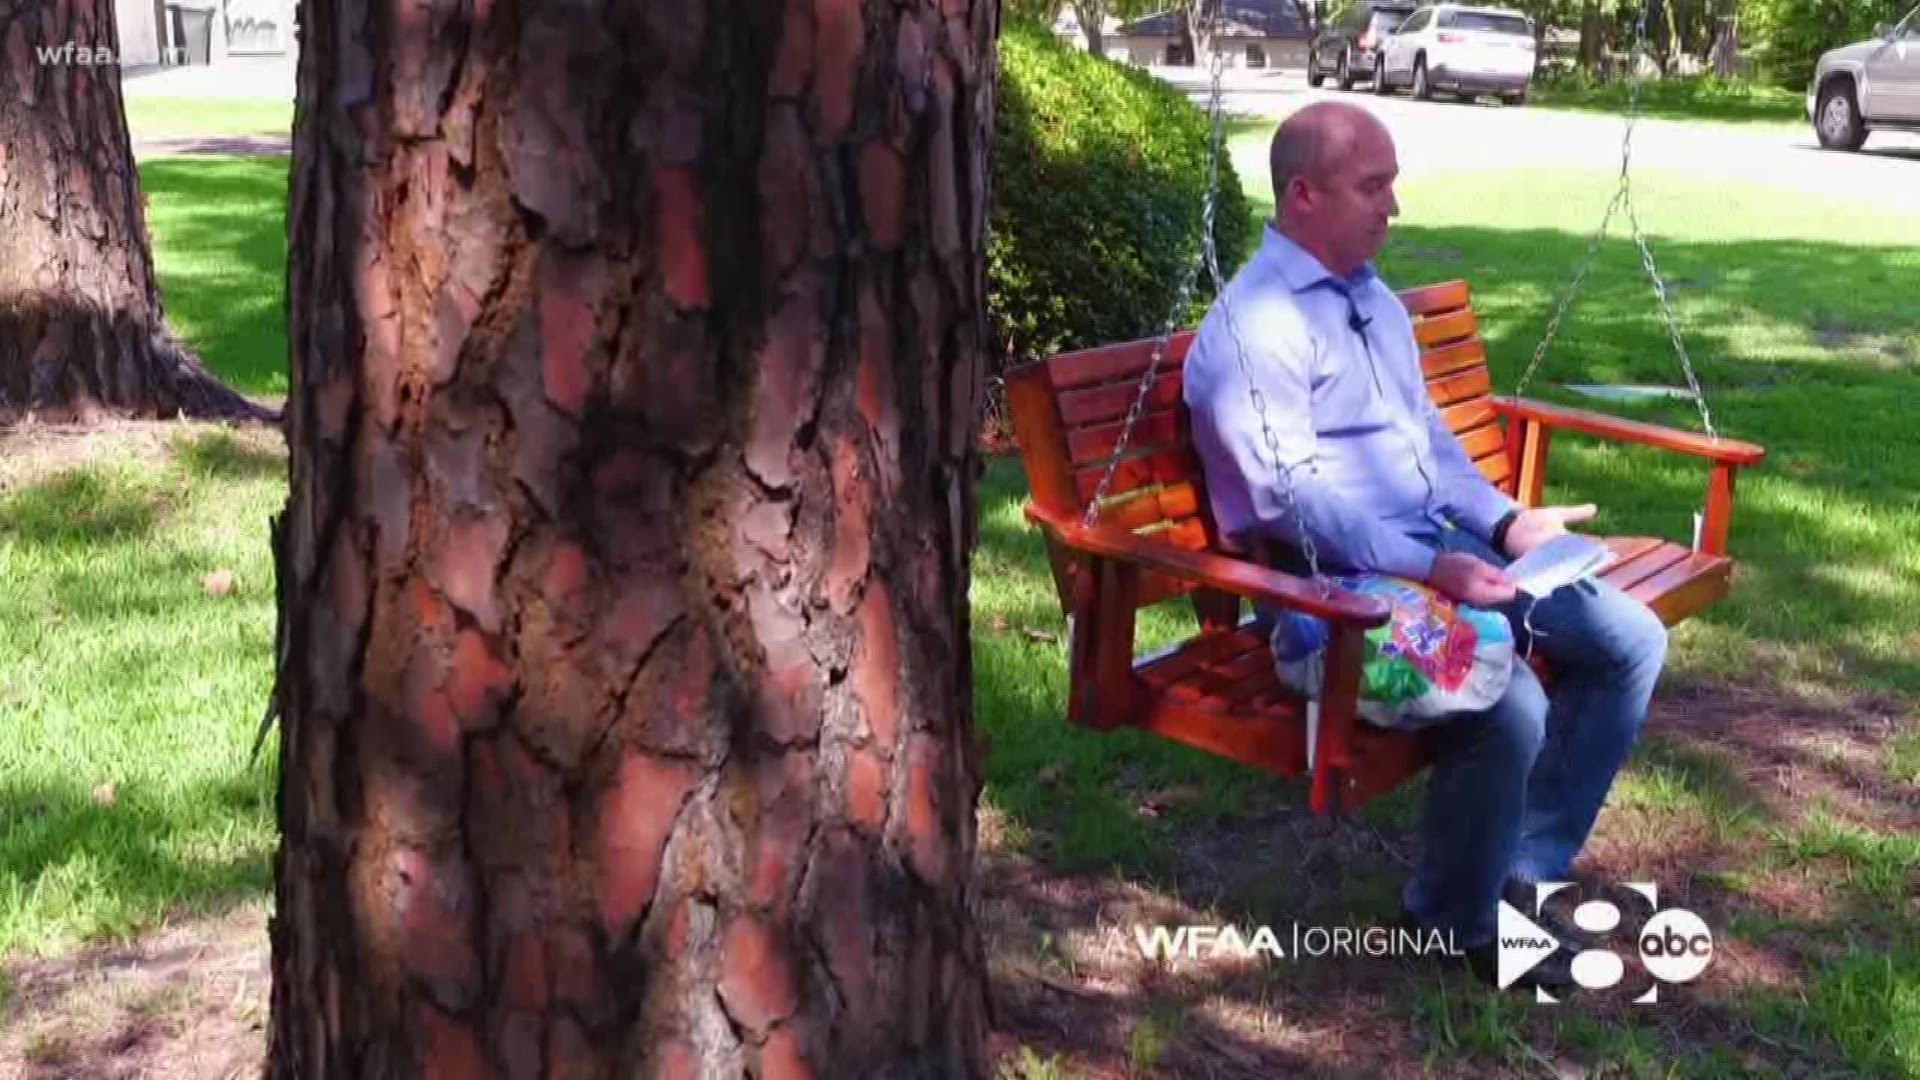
[81, 506]
[132, 857]
[220, 249]
[1804, 347]
[222, 455]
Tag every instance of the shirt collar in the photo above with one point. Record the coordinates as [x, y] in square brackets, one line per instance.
[1302, 271]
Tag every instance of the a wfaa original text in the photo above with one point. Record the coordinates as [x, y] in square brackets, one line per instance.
[1288, 941]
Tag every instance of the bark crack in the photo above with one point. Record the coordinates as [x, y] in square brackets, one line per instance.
[470, 854]
[619, 698]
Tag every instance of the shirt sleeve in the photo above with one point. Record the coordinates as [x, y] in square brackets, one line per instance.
[1465, 494]
[1233, 437]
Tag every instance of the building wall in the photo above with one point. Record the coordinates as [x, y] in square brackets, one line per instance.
[1278, 53]
[1139, 50]
[259, 26]
[1145, 50]
[139, 33]
[239, 28]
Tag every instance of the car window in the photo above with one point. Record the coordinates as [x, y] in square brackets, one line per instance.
[1491, 22]
[1416, 22]
[1386, 19]
[1909, 27]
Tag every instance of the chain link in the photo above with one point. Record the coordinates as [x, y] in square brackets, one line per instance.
[1673, 324]
[1623, 196]
[1210, 259]
[1183, 297]
[1566, 300]
[1272, 440]
[1259, 400]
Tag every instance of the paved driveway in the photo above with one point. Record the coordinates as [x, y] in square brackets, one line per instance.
[232, 77]
[1446, 135]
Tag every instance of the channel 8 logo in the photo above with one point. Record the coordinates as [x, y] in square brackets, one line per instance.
[1672, 945]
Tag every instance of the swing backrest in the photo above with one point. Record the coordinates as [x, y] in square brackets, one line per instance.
[1069, 409]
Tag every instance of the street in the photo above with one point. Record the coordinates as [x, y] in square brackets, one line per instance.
[1444, 134]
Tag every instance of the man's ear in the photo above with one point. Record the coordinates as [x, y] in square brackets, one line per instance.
[1298, 186]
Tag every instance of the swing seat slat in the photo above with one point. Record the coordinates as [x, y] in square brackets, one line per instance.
[1155, 540]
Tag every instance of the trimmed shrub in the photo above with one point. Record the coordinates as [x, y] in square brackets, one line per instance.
[1099, 172]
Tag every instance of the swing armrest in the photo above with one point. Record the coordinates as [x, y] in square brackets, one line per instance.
[1723, 451]
[1237, 576]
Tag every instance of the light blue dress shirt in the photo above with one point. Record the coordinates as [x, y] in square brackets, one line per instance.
[1372, 462]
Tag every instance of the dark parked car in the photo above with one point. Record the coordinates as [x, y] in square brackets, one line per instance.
[1348, 45]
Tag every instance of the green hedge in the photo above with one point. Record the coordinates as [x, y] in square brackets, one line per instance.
[1098, 176]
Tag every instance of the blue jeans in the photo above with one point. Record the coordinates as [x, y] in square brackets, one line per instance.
[1515, 789]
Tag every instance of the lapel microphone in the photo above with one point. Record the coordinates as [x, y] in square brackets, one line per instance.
[1356, 322]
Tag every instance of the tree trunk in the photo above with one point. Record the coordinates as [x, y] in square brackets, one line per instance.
[1309, 16]
[624, 659]
[1592, 37]
[1726, 48]
[1092, 16]
[1193, 16]
[81, 327]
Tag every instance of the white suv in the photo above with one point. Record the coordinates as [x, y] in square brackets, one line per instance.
[1467, 50]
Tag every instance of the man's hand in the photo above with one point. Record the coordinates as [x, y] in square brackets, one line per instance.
[1467, 580]
[1541, 524]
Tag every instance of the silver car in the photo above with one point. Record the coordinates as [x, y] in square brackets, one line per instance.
[1869, 86]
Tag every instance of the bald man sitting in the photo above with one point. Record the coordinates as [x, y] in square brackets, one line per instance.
[1383, 485]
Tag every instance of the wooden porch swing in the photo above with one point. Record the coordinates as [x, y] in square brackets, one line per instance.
[1118, 494]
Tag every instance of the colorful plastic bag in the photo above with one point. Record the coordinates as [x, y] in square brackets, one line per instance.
[1434, 657]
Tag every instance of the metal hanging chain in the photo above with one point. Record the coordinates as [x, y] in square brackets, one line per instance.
[1210, 259]
[1272, 440]
[1289, 501]
[1183, 297]
[1623, 196]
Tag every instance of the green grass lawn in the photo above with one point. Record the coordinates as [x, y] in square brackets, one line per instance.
[117, 667]
[221, 252]
[1680, 99]
[163, 117]
[128, 691]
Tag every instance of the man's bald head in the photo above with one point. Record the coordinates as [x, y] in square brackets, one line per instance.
[1333, 170]
[1312, 139]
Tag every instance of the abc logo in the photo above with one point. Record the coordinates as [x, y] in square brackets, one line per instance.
[1675, 945]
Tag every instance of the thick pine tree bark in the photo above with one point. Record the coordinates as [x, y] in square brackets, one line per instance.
[625, 669]
[81, 327]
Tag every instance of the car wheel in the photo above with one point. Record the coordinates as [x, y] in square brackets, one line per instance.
[1837, 119]
[1314, 75]
[1516, 100]
[1380, 83]
[1343, 73]
[1421, 88]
